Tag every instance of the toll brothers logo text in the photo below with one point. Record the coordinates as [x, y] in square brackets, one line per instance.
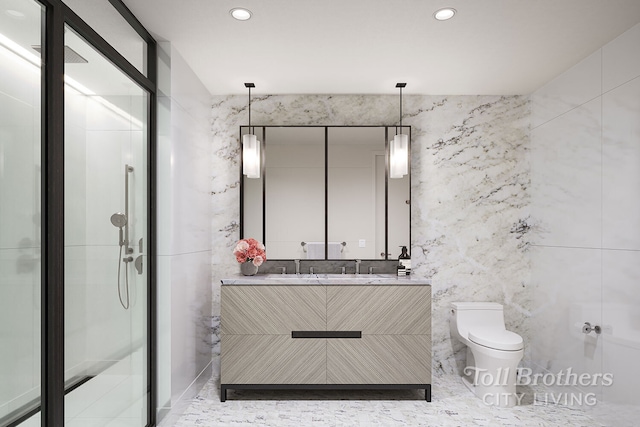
[525, 377]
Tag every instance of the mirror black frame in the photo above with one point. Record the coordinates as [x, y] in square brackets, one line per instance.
[263, 143]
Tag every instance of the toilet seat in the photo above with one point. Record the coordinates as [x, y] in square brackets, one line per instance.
[498, 339]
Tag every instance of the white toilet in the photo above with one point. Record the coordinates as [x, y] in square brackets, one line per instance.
[493, 353]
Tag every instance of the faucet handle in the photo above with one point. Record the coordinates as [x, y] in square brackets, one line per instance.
[371, 269]
[343, 270]
[283, 270]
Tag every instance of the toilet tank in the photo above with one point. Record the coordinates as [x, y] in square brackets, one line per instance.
[465, 315]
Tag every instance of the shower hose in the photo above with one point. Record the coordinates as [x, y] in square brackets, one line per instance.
[126, 280]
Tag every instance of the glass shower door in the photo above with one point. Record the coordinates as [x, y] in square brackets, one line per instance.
[106, 301]
[20, 210]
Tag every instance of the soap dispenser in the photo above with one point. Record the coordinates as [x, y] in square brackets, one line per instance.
[405, 260]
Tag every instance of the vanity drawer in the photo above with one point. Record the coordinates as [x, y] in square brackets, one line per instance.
[380, 359]
[272, 359]
[379, 309]
[273, 309]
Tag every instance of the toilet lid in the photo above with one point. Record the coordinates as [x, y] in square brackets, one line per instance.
[499, 339]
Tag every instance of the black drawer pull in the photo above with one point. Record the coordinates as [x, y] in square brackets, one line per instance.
[326, 334]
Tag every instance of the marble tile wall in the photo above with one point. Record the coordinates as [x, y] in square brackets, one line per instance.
[470, 192]
[184, 230]
[586, 218]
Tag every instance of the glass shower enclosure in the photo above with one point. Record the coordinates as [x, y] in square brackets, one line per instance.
[106, 223]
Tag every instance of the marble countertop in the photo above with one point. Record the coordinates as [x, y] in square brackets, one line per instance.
[326, 279]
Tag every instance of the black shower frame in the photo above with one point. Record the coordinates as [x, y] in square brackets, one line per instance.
[56, 15]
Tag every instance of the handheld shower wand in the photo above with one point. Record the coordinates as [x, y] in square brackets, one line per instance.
[119, 220]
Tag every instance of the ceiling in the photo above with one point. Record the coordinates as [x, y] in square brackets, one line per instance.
[366, 46]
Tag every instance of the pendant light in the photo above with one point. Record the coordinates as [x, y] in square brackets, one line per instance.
[250, 147]
[399, 148]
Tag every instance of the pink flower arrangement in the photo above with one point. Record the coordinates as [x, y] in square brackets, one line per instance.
[250, 250]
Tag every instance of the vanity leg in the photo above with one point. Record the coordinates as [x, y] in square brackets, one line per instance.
[223, 393]
[427, 393]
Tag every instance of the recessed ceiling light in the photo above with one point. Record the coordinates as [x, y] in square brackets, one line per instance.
[240, 14]
[444, 14]
[14, 13]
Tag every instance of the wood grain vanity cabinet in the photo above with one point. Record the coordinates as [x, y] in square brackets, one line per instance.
[327, 336]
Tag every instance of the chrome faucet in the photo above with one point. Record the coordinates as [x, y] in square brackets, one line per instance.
[310, 270]
[358, 266]
[283, 270]
[371, 270]
[343, 269]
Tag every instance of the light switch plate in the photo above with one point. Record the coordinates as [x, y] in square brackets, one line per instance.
[362, 243]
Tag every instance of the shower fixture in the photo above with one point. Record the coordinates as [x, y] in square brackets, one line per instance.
[121, 221]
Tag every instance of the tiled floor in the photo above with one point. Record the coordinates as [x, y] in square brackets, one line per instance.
[452, 405]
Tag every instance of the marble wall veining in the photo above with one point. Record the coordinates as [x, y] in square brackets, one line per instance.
[470, 192]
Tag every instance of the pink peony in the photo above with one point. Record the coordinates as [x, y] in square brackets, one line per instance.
[241, 246]
[250, 250]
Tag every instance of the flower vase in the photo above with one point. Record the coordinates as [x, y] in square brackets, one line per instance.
[248, 269]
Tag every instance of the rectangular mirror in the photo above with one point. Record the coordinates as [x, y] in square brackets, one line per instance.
[324, 192]
[294, 192]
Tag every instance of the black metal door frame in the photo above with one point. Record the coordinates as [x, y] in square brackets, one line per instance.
[57, 14]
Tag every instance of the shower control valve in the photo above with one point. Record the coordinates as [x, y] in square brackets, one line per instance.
[127, 259]
[587, 328]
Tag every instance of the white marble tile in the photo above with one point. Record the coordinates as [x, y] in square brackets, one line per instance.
[191, 323]
[620, 63]
[191, 185]
[19, 328]
[452, 405]
[184, 227]
[106, 154]
[164, 180]
[578, 85]
[621, 166]
[20, 175]
[566, 178]
[163, 343]
[566, 284]
[187, 89]
[19, 79]
[101, 118]
[621, 324]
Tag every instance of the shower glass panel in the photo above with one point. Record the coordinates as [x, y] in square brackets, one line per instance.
[20, 207]
[105, 242]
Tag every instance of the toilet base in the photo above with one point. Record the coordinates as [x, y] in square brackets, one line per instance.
[491, 375]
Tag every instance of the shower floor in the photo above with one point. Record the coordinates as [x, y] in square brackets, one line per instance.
[115, 397]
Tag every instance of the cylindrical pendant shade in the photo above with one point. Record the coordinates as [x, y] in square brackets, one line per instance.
[250, 156]
[399, 156]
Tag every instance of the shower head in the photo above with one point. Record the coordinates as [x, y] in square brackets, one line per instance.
[119, 219]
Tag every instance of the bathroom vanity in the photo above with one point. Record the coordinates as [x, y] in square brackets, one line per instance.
[325, 332]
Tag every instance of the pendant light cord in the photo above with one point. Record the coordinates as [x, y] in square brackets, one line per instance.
[250, 110]
[400, 109]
